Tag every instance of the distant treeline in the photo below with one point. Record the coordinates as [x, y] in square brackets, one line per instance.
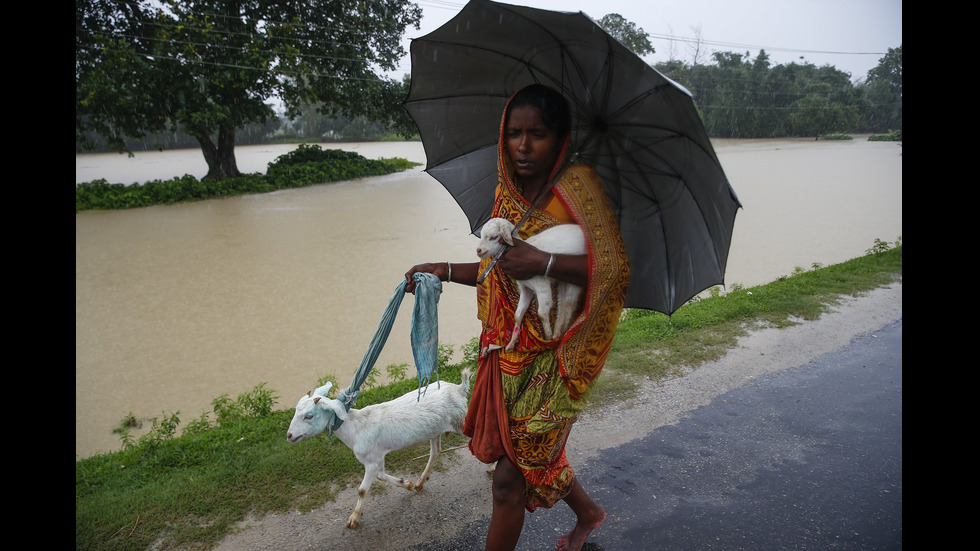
[738, 97]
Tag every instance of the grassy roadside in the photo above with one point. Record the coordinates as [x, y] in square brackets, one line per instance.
[188, 491]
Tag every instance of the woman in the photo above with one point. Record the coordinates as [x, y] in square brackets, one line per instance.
[525, 401]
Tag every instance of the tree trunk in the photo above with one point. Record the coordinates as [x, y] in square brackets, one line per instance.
[221, 157]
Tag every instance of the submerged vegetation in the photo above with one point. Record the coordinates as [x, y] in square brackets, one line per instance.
[306, 165]
[188, 491]
[891, 136]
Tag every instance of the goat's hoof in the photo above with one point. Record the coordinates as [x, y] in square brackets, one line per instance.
[352, 524]
[411, 486]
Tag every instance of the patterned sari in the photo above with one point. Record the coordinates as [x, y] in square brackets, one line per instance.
[525, 401]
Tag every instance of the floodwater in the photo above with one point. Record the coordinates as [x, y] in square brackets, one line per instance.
[177, 305]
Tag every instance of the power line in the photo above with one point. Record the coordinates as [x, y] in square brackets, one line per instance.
[443, 5]
[273, 53]
[267, 70]
[672, 38]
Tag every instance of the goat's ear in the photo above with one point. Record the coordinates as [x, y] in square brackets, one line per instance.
[323, 390]
[336, 406]
[507, 237]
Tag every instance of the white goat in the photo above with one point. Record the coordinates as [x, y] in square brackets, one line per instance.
[560, 239]
[375, 430]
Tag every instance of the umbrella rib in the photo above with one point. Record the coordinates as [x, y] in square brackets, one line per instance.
[534, 69]
[634, 161]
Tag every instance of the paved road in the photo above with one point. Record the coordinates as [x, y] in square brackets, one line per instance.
[809, 458]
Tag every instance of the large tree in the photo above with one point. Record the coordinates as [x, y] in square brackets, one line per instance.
[883, 91]
[209, 67]
[625, 31]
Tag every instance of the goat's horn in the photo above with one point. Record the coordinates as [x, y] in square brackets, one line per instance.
[309, 394]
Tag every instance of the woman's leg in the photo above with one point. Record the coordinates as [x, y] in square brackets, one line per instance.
[590, 515]
[507, 519]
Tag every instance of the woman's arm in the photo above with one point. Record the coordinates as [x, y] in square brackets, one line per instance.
[524, 261]
[464, 273]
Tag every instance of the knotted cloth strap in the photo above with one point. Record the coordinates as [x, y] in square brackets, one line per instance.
[425, 336]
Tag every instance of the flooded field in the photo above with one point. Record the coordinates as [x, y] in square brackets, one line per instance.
[176, 305]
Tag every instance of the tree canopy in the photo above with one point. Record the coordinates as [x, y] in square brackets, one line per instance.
[744, 97]
[209, 67]
[884, 86]
[625, 31]
[160, 70]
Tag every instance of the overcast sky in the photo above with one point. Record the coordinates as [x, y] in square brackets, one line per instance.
[851, 35]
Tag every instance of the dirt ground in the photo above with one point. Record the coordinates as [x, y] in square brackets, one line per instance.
[460, 494]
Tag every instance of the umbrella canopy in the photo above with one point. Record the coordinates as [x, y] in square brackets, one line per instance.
[637, 128]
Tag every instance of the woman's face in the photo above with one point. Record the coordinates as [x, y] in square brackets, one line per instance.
[533, 147]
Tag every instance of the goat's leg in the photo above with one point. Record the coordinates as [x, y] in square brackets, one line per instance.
[568, 296]
[435, 447]
[522, 305]
[544, 311]
[370, 471]
[383, 475]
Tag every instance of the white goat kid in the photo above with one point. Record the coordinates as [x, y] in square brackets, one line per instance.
[561, 239]
[375, 430]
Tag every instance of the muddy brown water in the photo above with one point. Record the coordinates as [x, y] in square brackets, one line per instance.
[176, 305]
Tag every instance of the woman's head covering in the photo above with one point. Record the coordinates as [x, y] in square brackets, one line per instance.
[555, 114]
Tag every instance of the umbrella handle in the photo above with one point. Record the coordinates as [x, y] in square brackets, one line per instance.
[493, 262]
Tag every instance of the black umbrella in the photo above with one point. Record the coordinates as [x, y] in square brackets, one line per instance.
[637, 128]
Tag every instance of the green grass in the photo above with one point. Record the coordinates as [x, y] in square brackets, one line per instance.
[650, 344]
[189, 491]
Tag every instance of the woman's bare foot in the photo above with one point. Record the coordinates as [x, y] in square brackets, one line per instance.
[574, 540]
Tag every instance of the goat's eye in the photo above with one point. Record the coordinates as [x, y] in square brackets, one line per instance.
[308, 416]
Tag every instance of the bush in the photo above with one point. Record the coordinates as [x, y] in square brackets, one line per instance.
[892, 136]
[312, 153]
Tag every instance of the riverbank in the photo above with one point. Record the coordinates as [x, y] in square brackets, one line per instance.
[459, 495]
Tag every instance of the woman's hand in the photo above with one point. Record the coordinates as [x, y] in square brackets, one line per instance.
[438, 269]
[524, 261]
[465, 273]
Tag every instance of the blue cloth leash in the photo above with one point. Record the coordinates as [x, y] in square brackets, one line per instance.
[425, 337]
